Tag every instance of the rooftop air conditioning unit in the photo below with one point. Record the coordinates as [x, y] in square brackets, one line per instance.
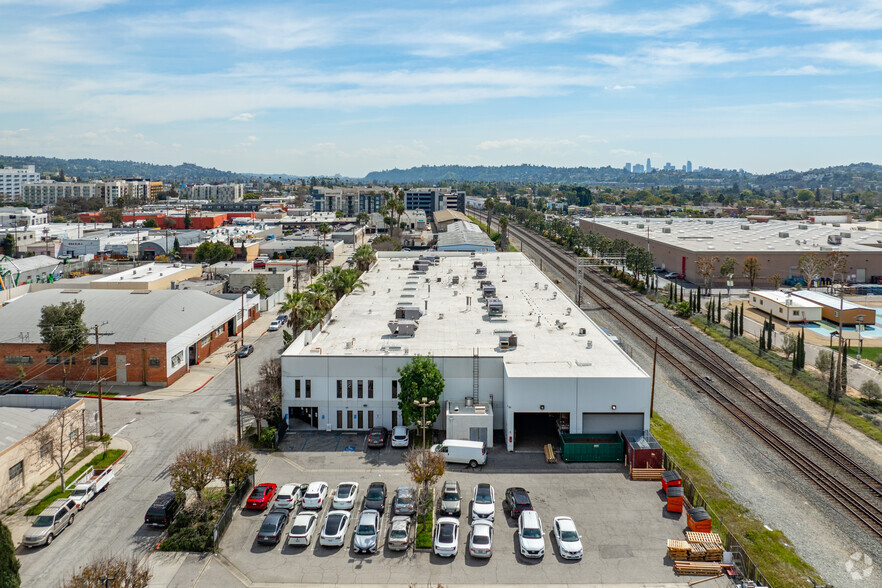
[845, 235]
[783, 235]
[666, 229]
[802, 227]
[745, 227]
[669, 222]
[641, 226]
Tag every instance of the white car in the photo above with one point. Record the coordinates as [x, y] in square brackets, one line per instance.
[531, 537]
[289, 497]
[400, 436]
[334, 530]
[367, 533]
[302, 529]
[569, 542]
[446, 538]
[484, 503]
[481, 539]
[275, 325]
[315, 495]
[345, 495]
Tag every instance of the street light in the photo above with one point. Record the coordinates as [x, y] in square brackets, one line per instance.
[423, 423]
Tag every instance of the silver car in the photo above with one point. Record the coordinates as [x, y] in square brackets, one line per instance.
[367, 532]
[481, 539]
[404, 502]
[289, 496]
[55, 518]
[399, 533]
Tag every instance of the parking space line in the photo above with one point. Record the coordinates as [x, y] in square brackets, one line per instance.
[293, 464]
[305, 441]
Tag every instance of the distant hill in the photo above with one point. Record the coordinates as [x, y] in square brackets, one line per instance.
[103, 168]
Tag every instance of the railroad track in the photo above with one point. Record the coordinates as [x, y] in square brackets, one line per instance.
[855, 489]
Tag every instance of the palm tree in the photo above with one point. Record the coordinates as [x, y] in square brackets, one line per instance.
[503, 230]
[297, 306]
[489, 204]
[398, 208]
[321, 297]
[342, 281]
[363, 257]
[324, 230]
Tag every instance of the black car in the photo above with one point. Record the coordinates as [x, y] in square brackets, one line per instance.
[273, 526]
[376, 497]
[517, 500]
[18, 388]
[163, 510]
[245, 350]
[377, 437]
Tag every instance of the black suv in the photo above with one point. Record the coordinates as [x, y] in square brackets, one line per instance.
[376, 497]
[517, 500]
[377, 437]
[162, 511]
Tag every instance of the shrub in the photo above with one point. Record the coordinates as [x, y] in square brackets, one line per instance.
[189, 533]
[268, 437]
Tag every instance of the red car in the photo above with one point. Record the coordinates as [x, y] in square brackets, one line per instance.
[261, 496]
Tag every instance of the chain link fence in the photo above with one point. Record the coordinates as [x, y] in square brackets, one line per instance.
[223, 521]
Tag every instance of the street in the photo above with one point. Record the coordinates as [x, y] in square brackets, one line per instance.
[113, 523]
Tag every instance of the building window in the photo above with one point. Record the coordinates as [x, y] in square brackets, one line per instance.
[102, 358]
[339, 419]
[153, 362]
[19, 360]
[361, 388]
[836, 313]
[70, 361]
[370, 388]
[394, 388]
[74, 436]
[53, 360]
[219, 331]
[205, 340]
[309, 388]
[46, 450]
[296, 388]
[16, 475]
[177, 358]
[339, 388]
[348, 388]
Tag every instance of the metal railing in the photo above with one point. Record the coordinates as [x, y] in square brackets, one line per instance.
[242, 489]
[746, 566]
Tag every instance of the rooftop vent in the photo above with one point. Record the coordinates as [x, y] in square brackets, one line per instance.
[745, 227]
[666, 229]
[802, 227]
[783, 235]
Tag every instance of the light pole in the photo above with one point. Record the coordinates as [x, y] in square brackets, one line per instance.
[423, 423]
[245, 292]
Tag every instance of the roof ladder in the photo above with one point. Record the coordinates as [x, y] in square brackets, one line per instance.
[475, 375]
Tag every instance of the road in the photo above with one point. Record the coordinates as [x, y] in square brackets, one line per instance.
[157, 430]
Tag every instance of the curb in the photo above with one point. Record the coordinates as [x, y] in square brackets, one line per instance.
[111, 397]
[204, 384]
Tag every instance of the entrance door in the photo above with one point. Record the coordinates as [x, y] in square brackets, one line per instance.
[394, 418]
[191, 352]
[121, 369]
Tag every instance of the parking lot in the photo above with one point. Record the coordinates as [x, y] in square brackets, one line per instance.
[623, 523]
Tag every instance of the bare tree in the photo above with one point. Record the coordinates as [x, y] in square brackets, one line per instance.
[706, 266]
[751, 270]
[232, 461]
[111, 572]
[270, 374]
[192, 469]
[60, 438]
[776, 280]
[262, 401]
[425, 468]
[812, 267]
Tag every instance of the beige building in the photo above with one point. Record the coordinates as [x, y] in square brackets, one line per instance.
[34, 430]
[152, 276]
[276, 279]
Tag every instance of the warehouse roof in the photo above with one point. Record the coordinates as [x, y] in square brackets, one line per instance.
[549, 326]
[734, 235]
[21, 415]
[130, 315]
[449, 215]
[464, 233]
[830, 301]
[26, 264]
[145, 273]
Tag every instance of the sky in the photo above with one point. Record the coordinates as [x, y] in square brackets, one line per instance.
[340, 87]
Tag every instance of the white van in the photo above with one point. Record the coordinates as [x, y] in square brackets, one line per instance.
[473, 453]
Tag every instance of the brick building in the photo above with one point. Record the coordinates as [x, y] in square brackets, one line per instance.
[153, 336]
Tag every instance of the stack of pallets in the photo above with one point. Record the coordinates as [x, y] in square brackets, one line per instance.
[549, 454]
[710, 544]
[698, 568]
[679, 550]
[646, 474]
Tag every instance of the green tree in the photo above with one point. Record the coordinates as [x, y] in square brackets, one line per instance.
[339, 214]
[297, 306]
[192, 469]
[503, 230]
[151, 223]
[790, 345]
[363, 257]
[425, 468]
[63, 331]
[113, 215]
[419, 378]
[212, 252]
[751, 270]
[727, 268]
[489, 204]
[870, 390]
[10, 247]
[9, 563]
[258, 285]
[342, 281]
[176, 249]
[321, 297]
[188, 221]
[232, 461]
[363, 218]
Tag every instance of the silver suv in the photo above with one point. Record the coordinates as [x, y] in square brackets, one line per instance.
[451, 499]
[54, 519]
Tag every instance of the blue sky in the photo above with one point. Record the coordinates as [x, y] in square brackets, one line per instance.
[350, 87]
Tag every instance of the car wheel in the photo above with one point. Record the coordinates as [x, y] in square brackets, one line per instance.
[473, 464]
[70, 520]
[49, 539]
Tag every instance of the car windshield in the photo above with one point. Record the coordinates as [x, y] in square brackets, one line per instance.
[367, 529]
[43, 521]
[375, 494]
[451, 496]
[532, 533]
[398, 534]
[483, 496]
[333, 523]
[569, 536]
[445, 534]
[344, 491]
[82, 492]
[481, 540]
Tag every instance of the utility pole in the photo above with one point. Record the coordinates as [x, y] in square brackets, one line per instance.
[652, 392]
[97, 359]
[424, 424]
[238, 409]
[245, 292]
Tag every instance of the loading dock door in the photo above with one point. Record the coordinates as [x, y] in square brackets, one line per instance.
[612, 422]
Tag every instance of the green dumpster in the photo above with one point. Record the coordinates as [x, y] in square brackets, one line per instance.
[605, 447]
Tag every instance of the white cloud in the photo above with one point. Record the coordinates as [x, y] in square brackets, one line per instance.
[805, 70]
[850, 53]
[837, 18]
[244, 117]
[618, 88]
[521, 144]
[641, 24]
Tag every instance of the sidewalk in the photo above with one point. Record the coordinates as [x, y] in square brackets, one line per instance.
[18, 523]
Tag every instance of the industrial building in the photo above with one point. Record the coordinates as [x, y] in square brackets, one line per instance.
[852, 313]
[150, 337]
[465, 236]
[677, 243]
[505, 338]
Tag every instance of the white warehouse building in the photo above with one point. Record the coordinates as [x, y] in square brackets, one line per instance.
[538, 364]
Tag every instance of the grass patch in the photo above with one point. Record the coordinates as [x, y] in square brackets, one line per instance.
[873, 354]
[98, 462]
[769, 550]
[806, 383]
[95, 393]
[424, 536]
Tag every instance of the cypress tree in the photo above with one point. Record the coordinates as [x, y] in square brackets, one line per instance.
[741, 321]
[769, 335]
[681, 293]
[719, 307]
[9, 564]
[698, 299]
[710, 311]
[831, 379]
[730, 328]
[845, 367]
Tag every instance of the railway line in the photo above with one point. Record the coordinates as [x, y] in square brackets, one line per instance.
[850, 485]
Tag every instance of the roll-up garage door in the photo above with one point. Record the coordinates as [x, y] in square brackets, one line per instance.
[611, 422]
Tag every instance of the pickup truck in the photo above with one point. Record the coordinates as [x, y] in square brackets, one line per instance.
[87, 486]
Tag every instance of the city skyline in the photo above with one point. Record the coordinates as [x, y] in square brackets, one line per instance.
[337, 88]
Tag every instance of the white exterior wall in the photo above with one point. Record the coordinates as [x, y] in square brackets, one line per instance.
[781, 311]
[11, 179]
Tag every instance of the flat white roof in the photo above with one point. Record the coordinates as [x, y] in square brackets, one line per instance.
[830, 301]
[782, 298]
[145, 273]
[455, 323]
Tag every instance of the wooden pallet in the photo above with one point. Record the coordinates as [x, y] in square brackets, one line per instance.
[696, 537]
[679, 550]
[549, 454]
[698, 568]
[646, 474]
